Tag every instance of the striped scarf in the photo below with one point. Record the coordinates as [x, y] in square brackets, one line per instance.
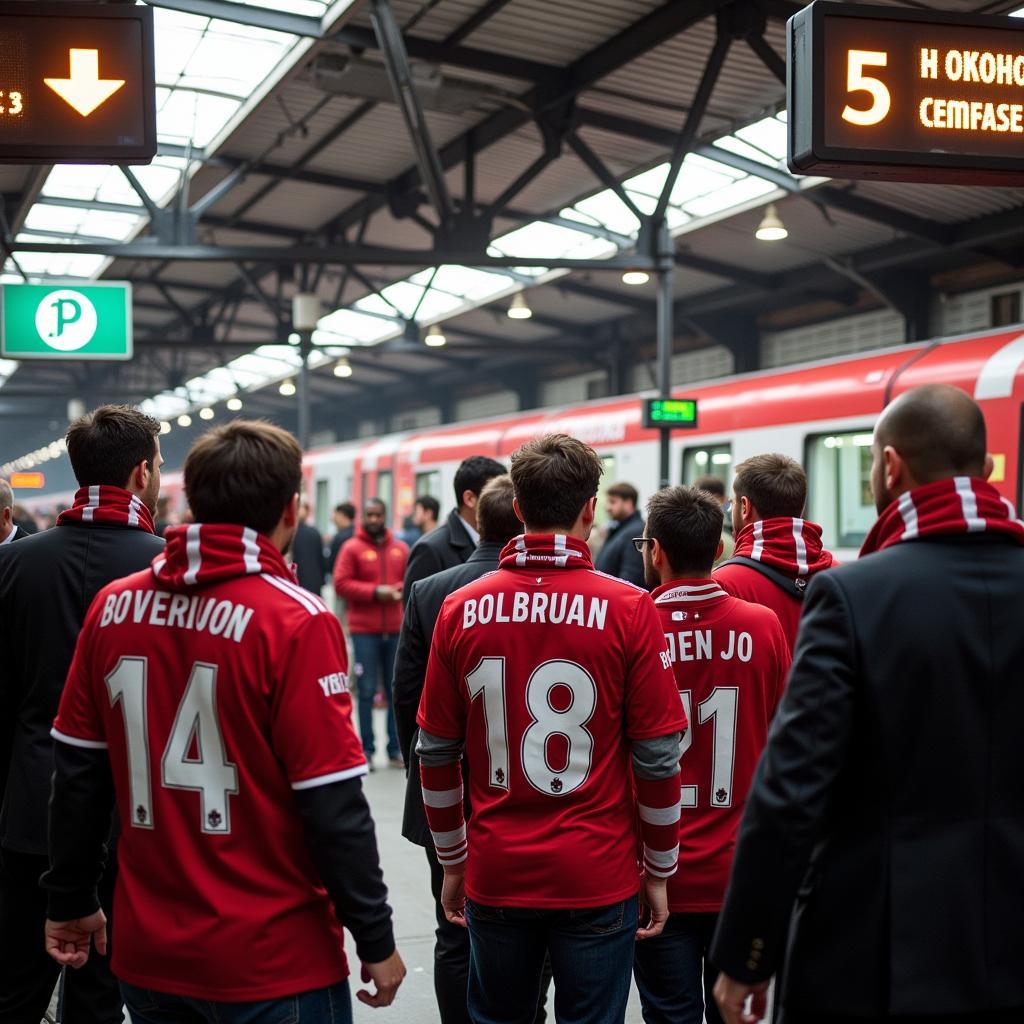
[792, 546]
[960, 504]
[105, 504]
[546, 549]
[201, 554]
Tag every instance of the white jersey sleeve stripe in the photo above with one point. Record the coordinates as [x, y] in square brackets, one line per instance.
[326, 780]
[659, 815]
[661, 858]
[445, 840]
[279, 584]
[442, 797]
[74, 741]
[304, 593]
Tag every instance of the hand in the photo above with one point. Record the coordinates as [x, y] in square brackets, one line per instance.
[731, 996]
[386, 977]
[387, 594]
[68, 941]
[653, 906]
[453, 895]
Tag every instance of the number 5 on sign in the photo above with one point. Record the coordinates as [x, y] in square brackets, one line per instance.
[857, 81]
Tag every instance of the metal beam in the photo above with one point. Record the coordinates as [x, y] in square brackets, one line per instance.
[480, 18]
[246, 14]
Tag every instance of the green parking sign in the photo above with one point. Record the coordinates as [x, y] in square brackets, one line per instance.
[67, 320]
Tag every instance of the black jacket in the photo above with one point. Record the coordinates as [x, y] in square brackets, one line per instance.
[47, 582]
[889, 802]
[308, 555]
[618, 557]
[336, 542]
[442, 548]
[421, 614]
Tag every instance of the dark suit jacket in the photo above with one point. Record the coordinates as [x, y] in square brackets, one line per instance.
[421, 613]
[442, 548]
[889, 802]
[47, 582]
[618, 557]
[308, 553]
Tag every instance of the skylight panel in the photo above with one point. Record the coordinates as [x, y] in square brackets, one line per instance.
[185, 116]
[437, 304]
[308, 8]
[768, 134]
[117, 226]
[649, 182]
[608, 209]
[733, 145]
[403, 294]
[732, 195]
[470, 283]
[697, 179]
[359, 329]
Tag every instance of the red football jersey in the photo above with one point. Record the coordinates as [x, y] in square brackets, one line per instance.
[547, 669]
[219, 687]
[731, 659]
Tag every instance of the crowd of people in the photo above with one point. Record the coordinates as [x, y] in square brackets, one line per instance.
[704, 758]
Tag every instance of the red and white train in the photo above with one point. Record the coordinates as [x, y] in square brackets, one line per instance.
[821, 414]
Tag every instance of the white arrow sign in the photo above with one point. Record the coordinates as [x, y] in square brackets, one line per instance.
[85, 90]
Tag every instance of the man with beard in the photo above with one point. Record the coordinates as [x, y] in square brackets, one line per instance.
[889, 802]
[47, 582]
[777, 551]
[368, 575]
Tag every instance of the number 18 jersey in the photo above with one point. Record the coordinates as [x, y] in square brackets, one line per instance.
[731, 659]
[548, 669]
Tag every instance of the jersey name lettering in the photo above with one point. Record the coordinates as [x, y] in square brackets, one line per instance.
[697, 645]
[522, 606]
[183, 611]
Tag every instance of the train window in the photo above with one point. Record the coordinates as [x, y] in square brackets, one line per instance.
[429, 483]
[384, 489]
[708, 460]
[1005, 309]
[607, 479]
[323, 505]
[839, 481]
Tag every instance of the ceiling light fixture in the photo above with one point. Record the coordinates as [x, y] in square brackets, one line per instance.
[343, 368]
[635, 277]
[184, 420]
[234, 404]
[771, 228]
[519, 309]
[206, 413]
[435, 337]
[165, 427]
[287, 388]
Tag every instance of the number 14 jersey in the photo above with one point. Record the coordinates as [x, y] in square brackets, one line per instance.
[731, 659]
[547, 669]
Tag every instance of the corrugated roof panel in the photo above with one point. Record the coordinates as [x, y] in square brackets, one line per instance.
[948, 204]
[301, 205]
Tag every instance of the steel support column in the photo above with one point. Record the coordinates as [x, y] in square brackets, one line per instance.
[304, 389]
[665, 269]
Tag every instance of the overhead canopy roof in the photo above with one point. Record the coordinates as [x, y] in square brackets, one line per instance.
[285, 165]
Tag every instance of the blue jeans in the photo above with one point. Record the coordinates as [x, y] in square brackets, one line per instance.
[591, 952]
[673, 973]
[321, 1006]
[375, 666]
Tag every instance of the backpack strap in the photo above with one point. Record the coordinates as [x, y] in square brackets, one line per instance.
[794, 588]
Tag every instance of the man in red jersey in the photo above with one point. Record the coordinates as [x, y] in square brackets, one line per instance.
[552, 677]
[777, 551]
[730, 659]
[210, 694]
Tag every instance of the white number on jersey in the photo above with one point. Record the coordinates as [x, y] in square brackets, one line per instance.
[196, 727]
[721, 705]
[488, 678]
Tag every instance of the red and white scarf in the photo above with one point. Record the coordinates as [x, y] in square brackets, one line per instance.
[104, 504]
[959, 504]
[205, 553]
[546, 549]
[792, 546]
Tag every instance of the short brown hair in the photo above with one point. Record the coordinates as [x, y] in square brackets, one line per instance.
[495, 516]
[554, 477]
[687, 523]
[625, 491]
[775, 485]
[105, 445]
[711, 484]
[244, 472]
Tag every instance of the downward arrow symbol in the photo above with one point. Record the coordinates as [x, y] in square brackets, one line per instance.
[85, 90]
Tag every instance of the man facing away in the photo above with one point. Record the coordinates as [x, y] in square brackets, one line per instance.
[889, 802]
[777, 551]
[10, 531]
[308, 553]
[498, 525]
[209, 693]
[47, 582]
[551, 676]
[730, 660]
[618, 557]
[453, 543]
[368, 575]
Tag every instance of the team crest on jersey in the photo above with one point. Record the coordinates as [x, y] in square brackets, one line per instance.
[556, 785]
[141, 814]
[499, 777]
[214, 818]
[721, 795]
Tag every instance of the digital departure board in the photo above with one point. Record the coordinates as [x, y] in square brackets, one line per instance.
[670, 412]
[906, 95]
[76, 83]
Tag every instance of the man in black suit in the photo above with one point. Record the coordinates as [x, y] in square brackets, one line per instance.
[618, 557]
[889, 803]
[9, 529]
[47, 583]
[453, 543]
[498, 525]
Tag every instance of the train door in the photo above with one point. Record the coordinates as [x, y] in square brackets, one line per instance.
[839, 495]
[322, 507]
[607, 479]
[708, 460]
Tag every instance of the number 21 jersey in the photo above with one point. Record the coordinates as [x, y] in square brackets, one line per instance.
[548, 669]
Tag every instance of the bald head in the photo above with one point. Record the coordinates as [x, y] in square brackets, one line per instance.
[935, 431]
[6, 509]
